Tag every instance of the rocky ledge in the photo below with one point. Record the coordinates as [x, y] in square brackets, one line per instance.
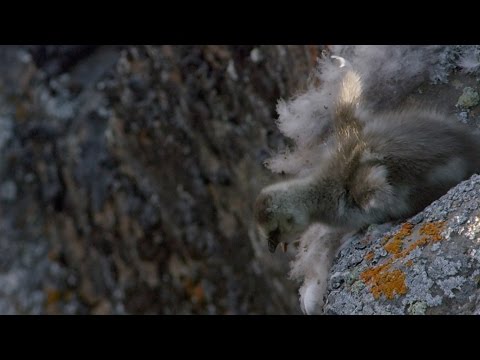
[429, 264]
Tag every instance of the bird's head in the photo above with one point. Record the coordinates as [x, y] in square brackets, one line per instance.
[280, 219]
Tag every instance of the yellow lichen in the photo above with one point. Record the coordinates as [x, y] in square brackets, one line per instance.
[53, 296]
[433, 230]
[420, 242]
[394, 246]
[384, 280]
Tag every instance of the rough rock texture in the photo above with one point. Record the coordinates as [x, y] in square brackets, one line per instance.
[127, 176]
[429, 264]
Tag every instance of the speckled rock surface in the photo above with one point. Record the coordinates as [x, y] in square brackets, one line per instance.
[429, 264]
[128, 173]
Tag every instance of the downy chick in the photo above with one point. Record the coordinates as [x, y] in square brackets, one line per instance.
[378, 167]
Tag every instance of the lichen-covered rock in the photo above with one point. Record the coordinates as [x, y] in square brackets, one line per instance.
[469, 98]
[429, 264]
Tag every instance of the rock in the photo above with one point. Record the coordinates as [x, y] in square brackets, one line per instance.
[6, 131]
[55, 59]
[255, 55]
[426, 267]
[137, 167]
[8, 191]
[468, 99]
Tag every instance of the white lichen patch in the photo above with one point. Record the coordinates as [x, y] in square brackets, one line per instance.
[419, 285]
[452, 283]
[255, 55]
[417, 308]
[469, 98]
[433, 300]
[436, 247]
[442, 267]
[231, 71]
[474, 254]
[471, 229]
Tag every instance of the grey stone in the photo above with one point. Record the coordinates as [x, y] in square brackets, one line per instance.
[439, 276]
[8, 191]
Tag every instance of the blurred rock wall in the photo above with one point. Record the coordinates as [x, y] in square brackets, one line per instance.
[127, 176]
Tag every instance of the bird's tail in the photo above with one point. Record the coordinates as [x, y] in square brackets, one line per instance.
[347, 101]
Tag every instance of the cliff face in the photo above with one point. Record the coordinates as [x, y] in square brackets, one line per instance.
[128, 174]
[429, 264]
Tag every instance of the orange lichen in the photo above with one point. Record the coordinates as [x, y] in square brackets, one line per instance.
[433, 230]
[198, 294]
[369, 256]
[384, 280]
[394, 246]
[194, 291]
[53, 296]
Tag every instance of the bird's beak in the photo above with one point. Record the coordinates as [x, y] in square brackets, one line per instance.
[273, 240]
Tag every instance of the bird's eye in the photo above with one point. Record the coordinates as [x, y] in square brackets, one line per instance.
[289, 219]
